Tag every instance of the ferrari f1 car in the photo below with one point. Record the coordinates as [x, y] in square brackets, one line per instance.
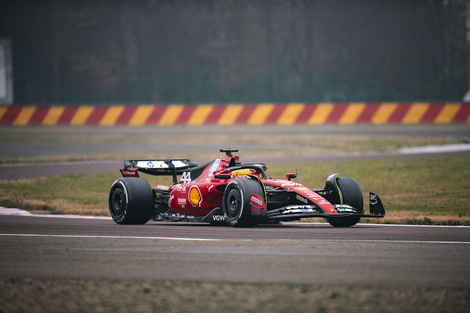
[226, 191]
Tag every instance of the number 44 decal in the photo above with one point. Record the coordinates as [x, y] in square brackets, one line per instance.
[186, 178]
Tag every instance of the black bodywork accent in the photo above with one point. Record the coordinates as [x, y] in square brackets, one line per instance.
[197, 171]
[216, 216]
[376, 207]
[228, 151]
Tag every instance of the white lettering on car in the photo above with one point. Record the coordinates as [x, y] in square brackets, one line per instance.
[257, 200]
[301, 199]
[186, 178]
[218, 218]
[130, 173]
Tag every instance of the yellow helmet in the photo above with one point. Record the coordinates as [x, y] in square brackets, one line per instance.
[239, 173]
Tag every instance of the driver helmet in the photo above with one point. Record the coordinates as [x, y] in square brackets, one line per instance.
[240, 173]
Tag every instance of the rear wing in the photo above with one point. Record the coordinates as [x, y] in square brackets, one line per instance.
[157, 167]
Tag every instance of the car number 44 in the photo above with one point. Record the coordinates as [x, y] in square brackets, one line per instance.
[186, 178]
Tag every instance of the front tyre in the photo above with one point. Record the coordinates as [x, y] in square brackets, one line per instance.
[236, 204]
[131, 201]
[350, 193]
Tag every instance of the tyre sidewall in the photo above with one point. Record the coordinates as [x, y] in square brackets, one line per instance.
[118, 189]
[246, 187]
[351, 194]
[231, 217]
[138, 197]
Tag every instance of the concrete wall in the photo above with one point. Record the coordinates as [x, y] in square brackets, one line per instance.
[68, 52]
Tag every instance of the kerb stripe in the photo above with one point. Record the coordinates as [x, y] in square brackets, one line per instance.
[290, 114]
[239, 114]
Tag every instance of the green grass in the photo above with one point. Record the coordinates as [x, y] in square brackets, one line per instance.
[414, 190]
[69, 194]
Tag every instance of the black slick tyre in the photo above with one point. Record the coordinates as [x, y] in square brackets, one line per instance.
[236, 203]
[351, 194]
[131, 201]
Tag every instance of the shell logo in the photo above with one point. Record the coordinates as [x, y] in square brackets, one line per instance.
[195, 196]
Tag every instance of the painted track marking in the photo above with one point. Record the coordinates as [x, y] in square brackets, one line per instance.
[245, 240]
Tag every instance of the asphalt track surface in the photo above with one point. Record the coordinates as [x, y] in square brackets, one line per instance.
[426, 256]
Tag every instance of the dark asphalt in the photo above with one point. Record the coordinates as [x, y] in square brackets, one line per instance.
[101, 226]
[313, 253]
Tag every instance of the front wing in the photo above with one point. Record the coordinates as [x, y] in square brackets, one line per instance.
[295, 212]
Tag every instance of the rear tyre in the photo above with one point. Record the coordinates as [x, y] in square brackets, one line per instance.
[351, 194]
[236, 204]
[131, 201]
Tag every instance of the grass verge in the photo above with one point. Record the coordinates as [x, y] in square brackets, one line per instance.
[414, 190]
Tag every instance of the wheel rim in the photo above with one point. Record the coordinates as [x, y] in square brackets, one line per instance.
[118, 201]
[233, 203]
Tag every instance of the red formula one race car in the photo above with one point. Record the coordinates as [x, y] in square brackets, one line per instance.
[225, 191]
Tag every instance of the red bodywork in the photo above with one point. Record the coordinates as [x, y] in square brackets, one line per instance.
[227, 191]
[201, 196]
